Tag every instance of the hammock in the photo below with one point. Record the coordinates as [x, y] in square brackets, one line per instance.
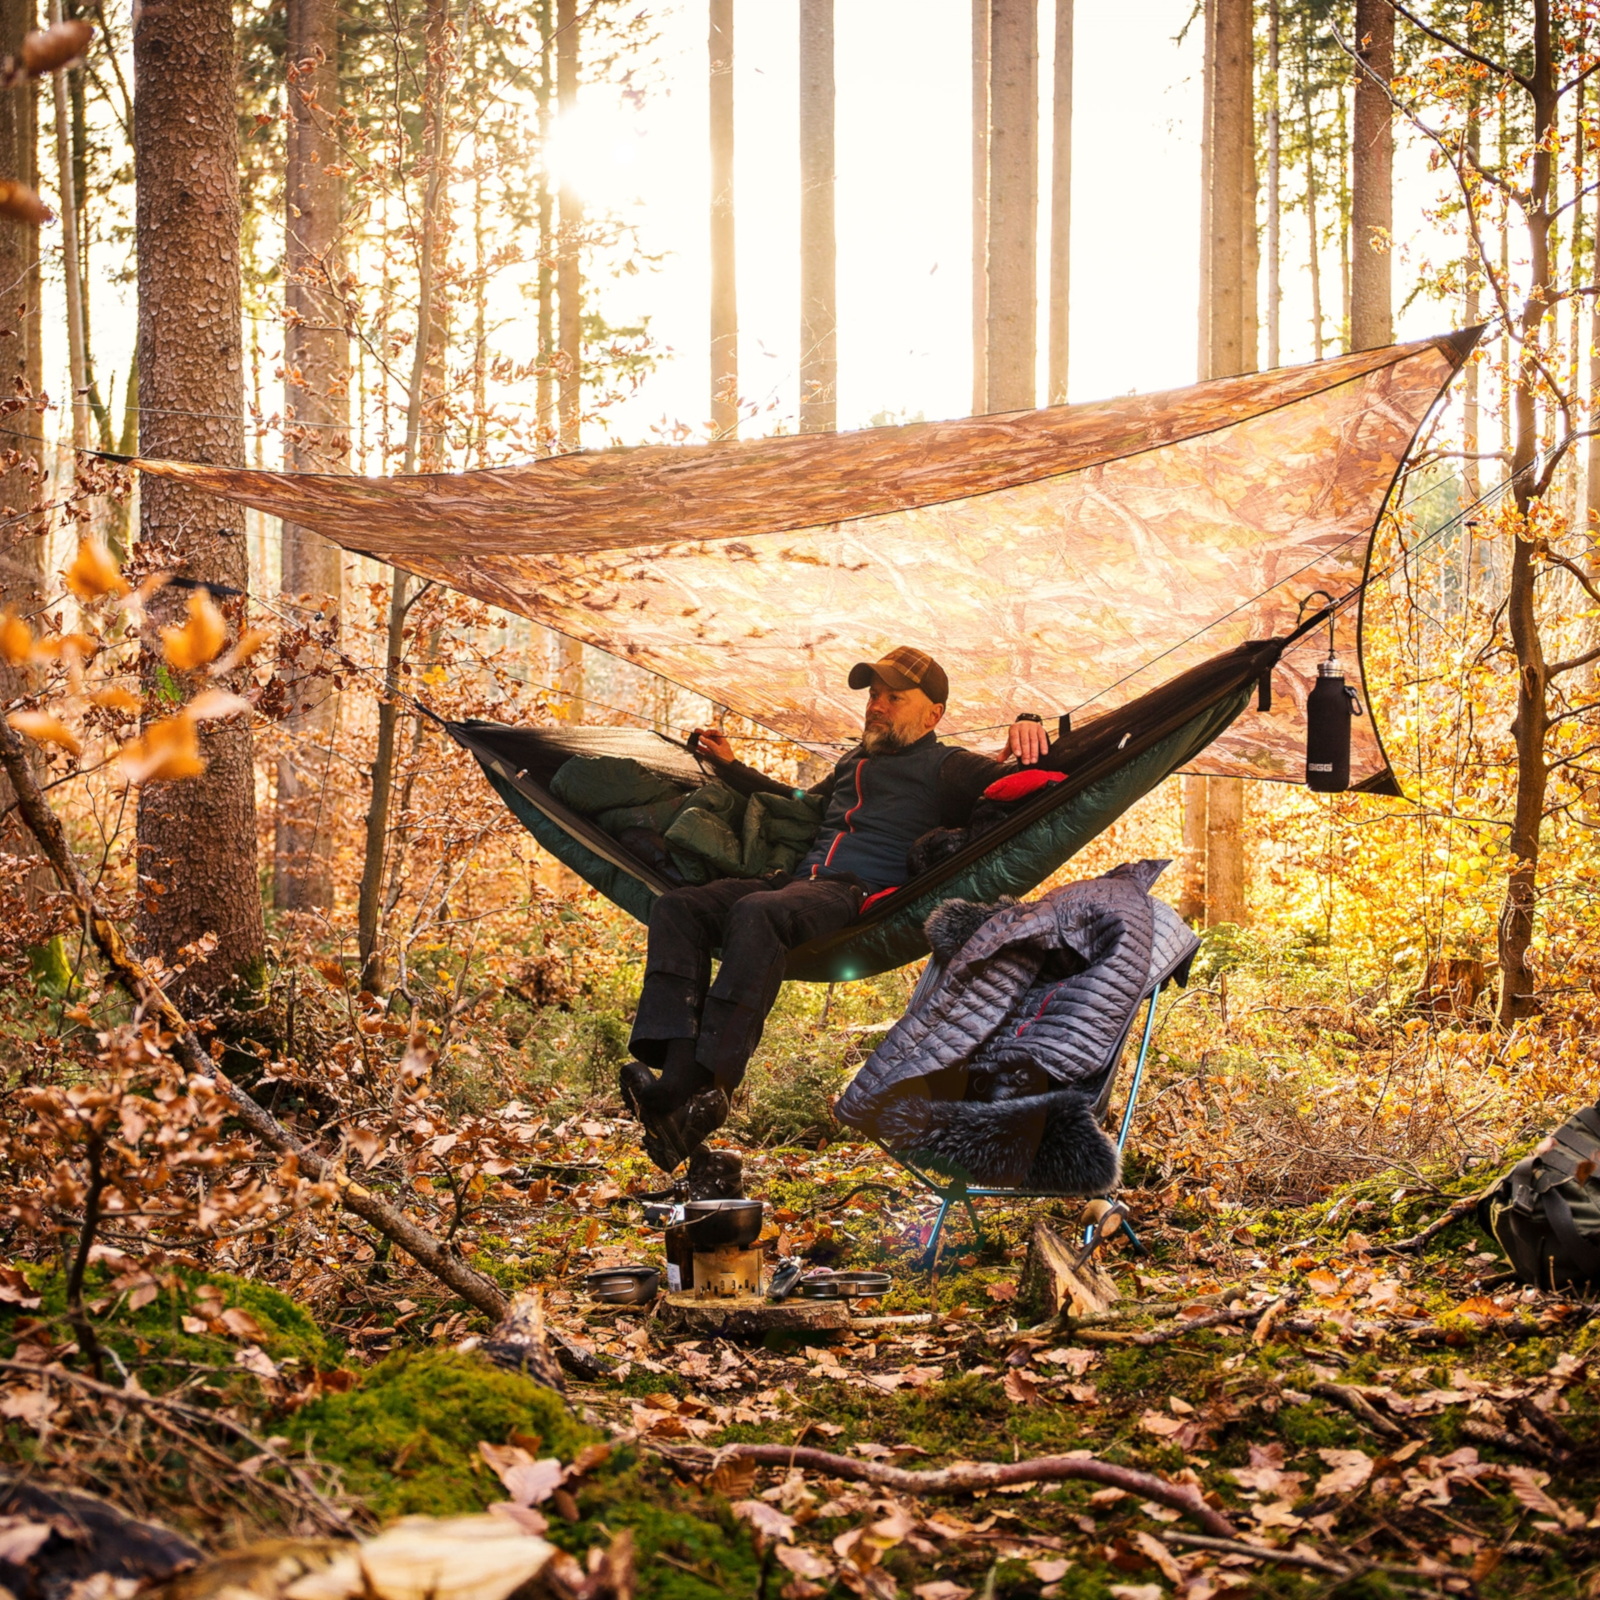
[1056, 560]
[1110, 763]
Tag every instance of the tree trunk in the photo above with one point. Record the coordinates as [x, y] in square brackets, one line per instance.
[22, 541]
[1208, 96]
[545, 389]
[1250, 244]
[1531, 723]
[71, 257]
[1013, 204]
[1312, 226]
[1472, 478]
[197, 836]
[1232, 350]
[1342, 158]
[434, 204]
[980, 206]
[569, 286]
[1061, 208]
[1274, 190]
[316, 406]
[819, 314]
[724, 277]
[1192, 885]
[1372, 180]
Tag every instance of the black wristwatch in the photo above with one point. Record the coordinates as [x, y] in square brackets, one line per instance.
[1029, 716]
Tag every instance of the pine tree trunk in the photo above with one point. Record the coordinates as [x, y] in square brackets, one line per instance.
[1013, 204]
[22, 542]
[71, 256]
[544, 394]
[316, 361]
[569, 286]
[724, 260]
[1274, 190]
[1202, 368]
[1372, 180]
[819, 313]
[1061, 208]
[1313, 228]
[1233, 336]
[196, 837]
[980, 206]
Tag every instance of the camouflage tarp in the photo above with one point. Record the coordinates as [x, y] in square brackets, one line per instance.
[1053, 560]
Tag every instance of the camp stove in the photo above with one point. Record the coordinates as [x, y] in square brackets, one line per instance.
[712, 1249]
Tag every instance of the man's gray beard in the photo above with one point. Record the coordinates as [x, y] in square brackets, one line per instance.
[883, 741]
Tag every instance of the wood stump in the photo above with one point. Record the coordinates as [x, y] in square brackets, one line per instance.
[746, 1316]
[1053, 1286]
[1451, 986]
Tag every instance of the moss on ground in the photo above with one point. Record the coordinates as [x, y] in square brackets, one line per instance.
[406, 1436]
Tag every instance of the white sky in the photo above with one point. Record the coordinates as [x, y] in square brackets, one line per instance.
[903, 206]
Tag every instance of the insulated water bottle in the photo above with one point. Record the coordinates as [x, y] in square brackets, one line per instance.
[1329, 708]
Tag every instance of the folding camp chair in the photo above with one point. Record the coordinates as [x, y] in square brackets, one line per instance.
[955, 1190]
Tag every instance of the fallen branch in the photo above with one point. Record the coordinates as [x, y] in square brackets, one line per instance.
[1360, 1407]
[1237, 1547]
[1516, 1444]
[1212, 1319]
[1462, 1208]
[422, 1246]
[155, 1405]
[967, 1476]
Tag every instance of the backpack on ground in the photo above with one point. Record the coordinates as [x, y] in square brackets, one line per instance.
[1545, 1212]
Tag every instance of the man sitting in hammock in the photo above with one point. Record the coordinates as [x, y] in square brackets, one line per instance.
[691, 1037]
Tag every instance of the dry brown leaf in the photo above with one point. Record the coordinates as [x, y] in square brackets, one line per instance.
[93, 572]
[241, 1324]
[169, 749]
[804, 1563]
[16, 639]
[1020, 1389]
[47, 49]
[244, 647]
[768, 1521]
[20, 1539]
[1351, 1469]
[45, 728]
[199, 639]
[1002, 1292]
[1160, 1555]
[211, 704]
[734, 1480]
[113, 697]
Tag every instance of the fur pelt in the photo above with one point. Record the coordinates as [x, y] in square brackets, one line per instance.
[953, 923]
[1050, 1141]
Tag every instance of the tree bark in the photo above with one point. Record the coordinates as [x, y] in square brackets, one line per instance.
[819, 313]
[196, 838]
[22, 533]
[1192, 887]
[1214, 890]
[1208, 97]
[1372, 180]
[545, 388]
[1313, 227]
[1531, 723]
[71, 258]
[1471, 474]
[980, 206]
[1013, 204]
[1274, 189]
[1061, 208]
[569, 275]
[435, 203]
[724, 259]
[317, 437]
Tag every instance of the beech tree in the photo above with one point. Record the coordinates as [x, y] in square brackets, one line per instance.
[196, 838]
[1013, 288]
[316, 405]
[1372, 179]
[819, 315]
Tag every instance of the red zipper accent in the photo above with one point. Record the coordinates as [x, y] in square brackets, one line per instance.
[849, 826]
[1022, 1027]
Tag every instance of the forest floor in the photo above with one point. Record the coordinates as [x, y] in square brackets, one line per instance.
[1370, 1422]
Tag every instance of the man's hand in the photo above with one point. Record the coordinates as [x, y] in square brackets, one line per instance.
[710, 742]
[1027, 741]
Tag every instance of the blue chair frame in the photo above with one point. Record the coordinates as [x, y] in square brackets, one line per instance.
[957, 1191]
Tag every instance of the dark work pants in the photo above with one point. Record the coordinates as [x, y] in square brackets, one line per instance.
[756, 922]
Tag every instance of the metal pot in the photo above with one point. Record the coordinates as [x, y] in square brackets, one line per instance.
[624, 1286]
[714, 1224]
